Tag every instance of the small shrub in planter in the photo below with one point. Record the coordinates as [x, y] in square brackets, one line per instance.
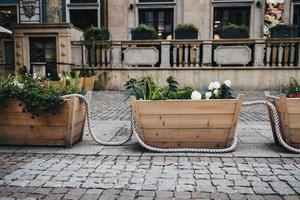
[143, 32]
[89, 78]
[231, 31]
[37, 113]
[288, 107]
[186, 31]
[284, 31]
[94, 34]
[169, 117]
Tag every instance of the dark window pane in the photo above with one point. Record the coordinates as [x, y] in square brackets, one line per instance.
[160, 19]
[8, 16]
[43, 50]
[83, 1]
[159, 1]
[233, 15]
[297, 15]
[9, 52]
[84, 18]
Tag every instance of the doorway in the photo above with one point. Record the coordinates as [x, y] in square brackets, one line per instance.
[43, 50]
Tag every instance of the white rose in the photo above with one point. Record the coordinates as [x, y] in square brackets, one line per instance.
[196, 95]
[35, 76]
[211, 86]
[217, 85]
[20, 85]
[227, 83]
[208, 95]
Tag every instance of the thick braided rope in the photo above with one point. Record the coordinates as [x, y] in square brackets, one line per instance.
[89, 124]
[141, 142]
[277, 124]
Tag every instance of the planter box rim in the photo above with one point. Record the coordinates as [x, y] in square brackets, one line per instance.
[187, 100]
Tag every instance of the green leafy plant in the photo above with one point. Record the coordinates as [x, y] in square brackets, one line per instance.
[35, 95]
[291, 89]
[85, 72]
[145, 30]
[93, 34]
[234, 31]
[186, 27]
[284, 30]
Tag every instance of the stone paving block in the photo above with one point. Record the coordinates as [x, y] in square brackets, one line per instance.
[164, 194]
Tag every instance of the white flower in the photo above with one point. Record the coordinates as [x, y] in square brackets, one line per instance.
[211, 86]
[216, 92]
[208, 95]
[35, 76]
[217, 85]
[68, 78]
[59, 75]
[214, 85]
[227, 83]
[20, 85]
[196, 95]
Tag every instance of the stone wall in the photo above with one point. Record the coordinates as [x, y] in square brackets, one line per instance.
[118, 19]
[242, 78]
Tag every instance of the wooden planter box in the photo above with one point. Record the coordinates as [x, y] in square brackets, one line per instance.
[62, 129]
[289, 111]
[187, 123]
[88, 83]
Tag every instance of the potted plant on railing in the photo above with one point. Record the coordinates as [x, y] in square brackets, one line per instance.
[143, 32]
[186, 31]
[284, 31]
[168, 117]
[231, 31]
[94, 34]
[288, 107]
[33, 112]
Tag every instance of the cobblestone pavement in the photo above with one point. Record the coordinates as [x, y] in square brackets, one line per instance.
[257, 170]
[146, 177]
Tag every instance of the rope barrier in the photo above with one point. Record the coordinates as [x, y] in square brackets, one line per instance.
[134, 131]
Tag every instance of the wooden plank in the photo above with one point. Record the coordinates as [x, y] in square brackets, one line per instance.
[208, 144]
[36, 142]
[25, 119]
[187, 107]
[31, 132]
[71, 121]
[294, 120]
[285, 118]
[186, 121]
[235, 120]
[295, 135]
[136, 115]
[293, 106]
[172, 135]
[15, 106]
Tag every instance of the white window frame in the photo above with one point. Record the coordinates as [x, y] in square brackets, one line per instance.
[84, 6]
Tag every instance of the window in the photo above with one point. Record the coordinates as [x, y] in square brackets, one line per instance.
[160, 19]
[297, 15]
[44, 50]
[234, 15]
[8, 16]
[83, 19]
[84, 1]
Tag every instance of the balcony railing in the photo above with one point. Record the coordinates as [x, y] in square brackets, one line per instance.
[188, 53]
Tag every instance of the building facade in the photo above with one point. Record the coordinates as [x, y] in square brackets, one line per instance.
[47, 33]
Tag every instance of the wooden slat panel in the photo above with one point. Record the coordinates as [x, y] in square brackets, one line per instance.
[29, 132]
[38, 142]
[79, 116]
[209, 144]
[293, 106]
[186, 121]
[295, 135]
[25, 119]
[187, 107]
[172, 135]
[14, 106]
[294, 120]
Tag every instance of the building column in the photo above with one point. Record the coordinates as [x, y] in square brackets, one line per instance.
[207, 53]
[259, 53]
[116, 60]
